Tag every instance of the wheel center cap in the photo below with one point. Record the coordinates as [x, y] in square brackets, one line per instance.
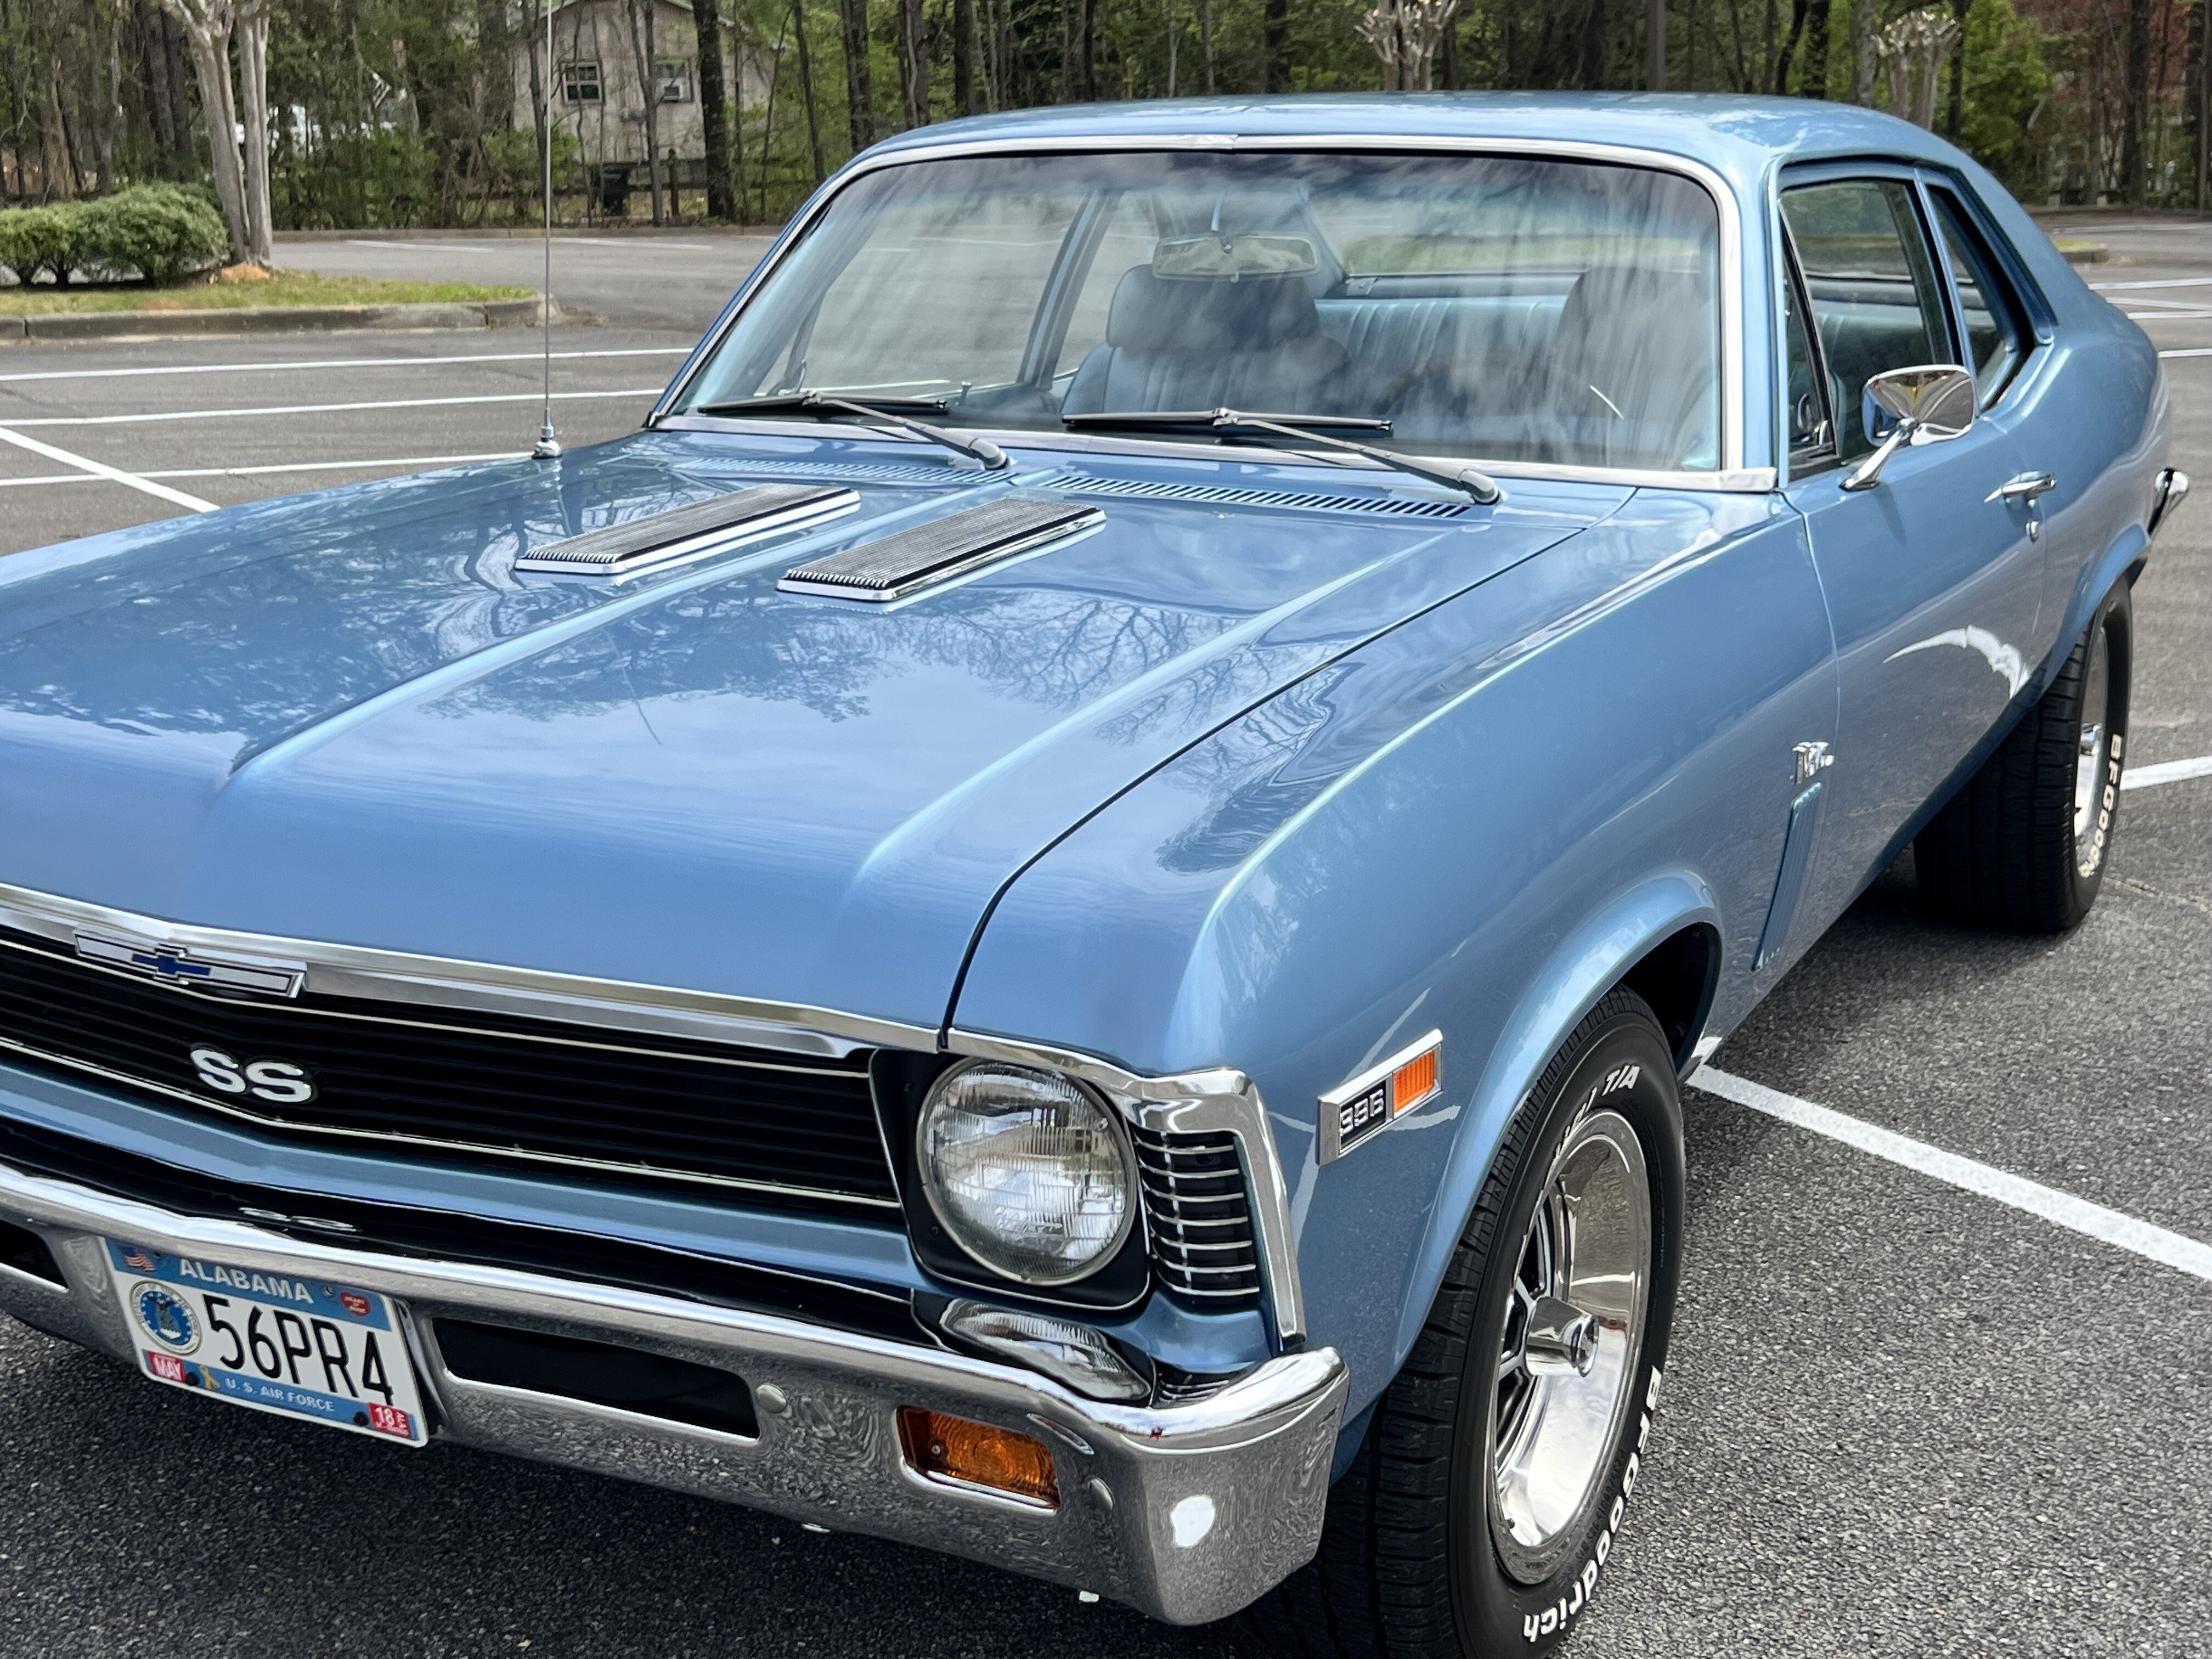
[1562, 1338]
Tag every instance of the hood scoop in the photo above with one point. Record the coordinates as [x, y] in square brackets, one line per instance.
[892, 567]
[691, 532]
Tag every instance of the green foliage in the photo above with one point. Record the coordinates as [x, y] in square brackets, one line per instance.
[162, 232]
[2007, 80]
[35, 242]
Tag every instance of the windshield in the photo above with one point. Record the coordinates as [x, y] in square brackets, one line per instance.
[1483, 306]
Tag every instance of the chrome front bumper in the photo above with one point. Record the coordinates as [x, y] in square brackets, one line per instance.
[1188, 1512]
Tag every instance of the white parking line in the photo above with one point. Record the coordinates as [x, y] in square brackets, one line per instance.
[2060, 1209]
[2189, 351]
[260, 471]
[101, 470]
[341, 362]
[2162, 281]
[325, 408]
[2150, 777]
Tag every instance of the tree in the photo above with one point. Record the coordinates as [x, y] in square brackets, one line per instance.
[2134, 108]
[859, 88]
[644, 48]
[715, 111]
[1404, 34]
[209, 28]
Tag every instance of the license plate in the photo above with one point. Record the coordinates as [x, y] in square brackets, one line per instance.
[276, 1342]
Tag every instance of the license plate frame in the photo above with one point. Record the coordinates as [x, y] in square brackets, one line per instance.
[276, 1342]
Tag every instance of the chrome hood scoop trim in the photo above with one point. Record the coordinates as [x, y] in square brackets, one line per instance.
[688, 533]
[930, 554]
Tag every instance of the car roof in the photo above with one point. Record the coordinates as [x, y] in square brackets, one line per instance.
[1740, 139]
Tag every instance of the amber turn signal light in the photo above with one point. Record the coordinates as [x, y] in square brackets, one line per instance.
[1413, 1082]
[965, 1454]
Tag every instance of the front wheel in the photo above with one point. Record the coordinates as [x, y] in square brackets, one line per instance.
[1484, 1501]
[2022, 845]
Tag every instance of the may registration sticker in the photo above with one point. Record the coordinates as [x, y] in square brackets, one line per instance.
[276, 1342]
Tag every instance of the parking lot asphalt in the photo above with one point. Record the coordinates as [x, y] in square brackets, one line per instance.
[1902, 1419]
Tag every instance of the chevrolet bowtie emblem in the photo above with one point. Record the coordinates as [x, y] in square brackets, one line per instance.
[172, 964]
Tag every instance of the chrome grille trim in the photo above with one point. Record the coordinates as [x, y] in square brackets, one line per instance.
[1200, 1215]
[376, 974]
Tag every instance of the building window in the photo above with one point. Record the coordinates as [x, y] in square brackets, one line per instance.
[579, 82]
[673, 75]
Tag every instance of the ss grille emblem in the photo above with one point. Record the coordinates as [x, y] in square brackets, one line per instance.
[276, 1081]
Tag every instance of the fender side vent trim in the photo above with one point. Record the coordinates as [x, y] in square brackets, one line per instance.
[891, 567]
[688, 533]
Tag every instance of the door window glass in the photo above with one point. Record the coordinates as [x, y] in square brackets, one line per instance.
[1875, 296]
[1996, 324]
[1812, 438]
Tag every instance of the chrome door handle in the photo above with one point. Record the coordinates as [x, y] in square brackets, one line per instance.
[2024, 488]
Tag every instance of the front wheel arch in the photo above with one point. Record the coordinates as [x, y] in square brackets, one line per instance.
[1622, 937]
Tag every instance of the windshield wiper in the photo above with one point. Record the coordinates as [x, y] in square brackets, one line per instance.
[1311, 428]
[826, 404]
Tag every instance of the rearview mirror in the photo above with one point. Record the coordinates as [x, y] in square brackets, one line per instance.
[1215, 257]
[1931, 403]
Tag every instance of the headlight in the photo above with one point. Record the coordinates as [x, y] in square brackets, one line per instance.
[1028, 1170]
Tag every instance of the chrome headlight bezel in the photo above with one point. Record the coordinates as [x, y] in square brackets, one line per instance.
[999, 1255]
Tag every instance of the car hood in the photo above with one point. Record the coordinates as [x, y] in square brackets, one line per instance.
[345, 717]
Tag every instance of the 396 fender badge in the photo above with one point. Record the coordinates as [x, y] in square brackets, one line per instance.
[1353, 1111]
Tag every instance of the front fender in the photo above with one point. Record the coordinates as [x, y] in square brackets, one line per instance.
[1471, 824]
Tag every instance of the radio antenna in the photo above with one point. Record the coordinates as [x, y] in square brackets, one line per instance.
[547, 447]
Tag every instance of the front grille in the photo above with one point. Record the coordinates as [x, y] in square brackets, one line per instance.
[759, 1125]
[1200, 1217]
[447, 1235]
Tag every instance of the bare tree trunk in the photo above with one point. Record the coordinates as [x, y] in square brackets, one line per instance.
[1086, 47]
[860, 87]
[641, 44]
[1862, 13]
[253, 101]
[1654, 42]
[1954, 117]
[2135, 107]
[714, 110]
[1275, 40]
[207, 27]
[1206, 39]
[2203, 105]
[914, 62]
[964, 43]
[1789, 47]
[805, 88]
[1816, 50]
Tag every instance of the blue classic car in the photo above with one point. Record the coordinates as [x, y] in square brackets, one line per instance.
[1061, 916]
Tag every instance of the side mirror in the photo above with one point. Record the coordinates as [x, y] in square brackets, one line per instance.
[1931, 404]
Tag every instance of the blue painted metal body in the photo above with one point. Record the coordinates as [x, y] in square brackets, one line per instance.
[1214, 786]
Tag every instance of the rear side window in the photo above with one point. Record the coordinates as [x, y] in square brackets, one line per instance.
[1997, 337]
[1875, 297]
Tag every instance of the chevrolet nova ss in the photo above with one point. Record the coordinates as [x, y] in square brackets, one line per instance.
[1061, 914]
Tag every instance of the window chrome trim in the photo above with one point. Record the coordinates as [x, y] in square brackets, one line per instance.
[1730, 276]
[1193, 1103]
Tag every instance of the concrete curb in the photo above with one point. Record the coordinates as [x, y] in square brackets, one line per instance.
[2090, 253]
[276, 319]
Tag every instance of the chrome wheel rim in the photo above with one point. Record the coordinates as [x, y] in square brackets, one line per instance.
[1573, 1328]
[2092, 763]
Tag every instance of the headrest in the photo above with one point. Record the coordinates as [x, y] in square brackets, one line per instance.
[1253, 313]
[1636, 296]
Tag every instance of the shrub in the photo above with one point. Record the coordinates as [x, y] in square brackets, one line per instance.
[163, 232]
[43, 238]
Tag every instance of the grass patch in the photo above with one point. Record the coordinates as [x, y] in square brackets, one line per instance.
[286, 288]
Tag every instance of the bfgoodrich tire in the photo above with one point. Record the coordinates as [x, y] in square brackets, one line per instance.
[2022, 845]
[1492, 1481]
